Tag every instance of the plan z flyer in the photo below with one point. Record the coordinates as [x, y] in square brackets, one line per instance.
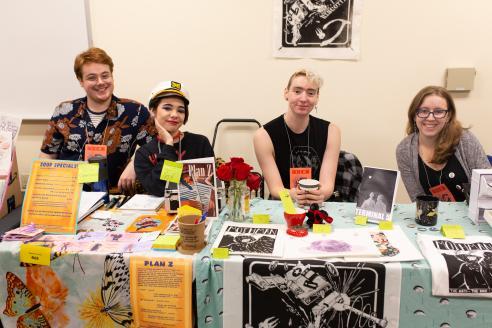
[160, 290]
[52, 196]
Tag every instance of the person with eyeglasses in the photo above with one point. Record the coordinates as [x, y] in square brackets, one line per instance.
[438, 155]
[297, 140]
[115, 125]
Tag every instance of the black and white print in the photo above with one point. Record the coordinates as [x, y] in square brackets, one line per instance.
[460, 267]
[317, 28]
[376, 194]
[251, 239]
[315, 294]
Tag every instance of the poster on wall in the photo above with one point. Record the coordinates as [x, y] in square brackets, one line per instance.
[327, 29]
[311, 293]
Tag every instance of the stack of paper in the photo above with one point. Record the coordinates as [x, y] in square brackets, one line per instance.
[143, 203]
[89, 202]
[24, 233]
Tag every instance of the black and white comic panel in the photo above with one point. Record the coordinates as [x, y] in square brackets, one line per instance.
[314, 294]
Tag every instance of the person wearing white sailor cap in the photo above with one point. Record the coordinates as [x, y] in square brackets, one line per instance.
[168, 103]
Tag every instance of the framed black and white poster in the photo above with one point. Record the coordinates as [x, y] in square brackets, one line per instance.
[327, 29]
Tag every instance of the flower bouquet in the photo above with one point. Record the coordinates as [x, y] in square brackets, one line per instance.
[237, 174]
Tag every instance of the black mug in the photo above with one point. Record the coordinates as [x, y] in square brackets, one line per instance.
[427, 207]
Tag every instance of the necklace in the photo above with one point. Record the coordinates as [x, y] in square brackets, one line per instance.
[427, 175]
[179, 147]
[290, 144]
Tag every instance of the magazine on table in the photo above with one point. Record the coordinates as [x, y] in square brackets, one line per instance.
[197, 185]
[143, 202]
[376, 194]
[459, 267]
[251, 239]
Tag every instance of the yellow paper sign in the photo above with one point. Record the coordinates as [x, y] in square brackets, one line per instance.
[261, 218]
[453, 231]
[188, 210]
[360, 220]
[88, 172]
[166, 242]
[220, 253]
[171, 171]
[385, 225]
[35, 254]
[287, 202]
[321, 228]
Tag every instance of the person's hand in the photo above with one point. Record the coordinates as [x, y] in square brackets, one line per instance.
[126, 183]
[307, 197]
[164, 135]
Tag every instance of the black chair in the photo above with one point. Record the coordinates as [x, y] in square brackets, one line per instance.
[261, 189]
[348, 178]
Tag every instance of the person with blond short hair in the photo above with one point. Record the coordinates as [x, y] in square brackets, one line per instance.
[297, 139]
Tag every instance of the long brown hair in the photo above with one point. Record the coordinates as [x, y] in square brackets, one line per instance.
[449, 136]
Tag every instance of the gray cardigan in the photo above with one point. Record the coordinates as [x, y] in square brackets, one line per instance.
[469, 153]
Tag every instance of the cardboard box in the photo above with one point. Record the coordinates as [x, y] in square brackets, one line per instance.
[480, 194]
[12, 196]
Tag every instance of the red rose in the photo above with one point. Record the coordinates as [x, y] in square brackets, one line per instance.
[224, 172]
[235, 160]
[254, 181]
[241, 171]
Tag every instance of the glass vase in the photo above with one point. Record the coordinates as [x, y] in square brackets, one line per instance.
[238, 201]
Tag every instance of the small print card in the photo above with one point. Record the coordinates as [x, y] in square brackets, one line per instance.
[220, 253]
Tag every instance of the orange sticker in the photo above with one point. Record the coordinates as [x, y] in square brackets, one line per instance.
[299, 173]
[93, 150]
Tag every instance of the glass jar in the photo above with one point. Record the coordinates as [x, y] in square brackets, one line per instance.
[238, 201]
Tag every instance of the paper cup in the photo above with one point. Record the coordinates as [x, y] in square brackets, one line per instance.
[192, 235]
[308, 184]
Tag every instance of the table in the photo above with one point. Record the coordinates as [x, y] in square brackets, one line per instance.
[76, 290]
[417, 307]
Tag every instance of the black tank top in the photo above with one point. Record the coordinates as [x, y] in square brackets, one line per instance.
[298, 153]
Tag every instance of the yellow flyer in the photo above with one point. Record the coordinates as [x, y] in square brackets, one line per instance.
[52, 196]
[160, 289]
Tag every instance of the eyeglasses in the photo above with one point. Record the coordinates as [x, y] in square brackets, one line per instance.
[438, 113]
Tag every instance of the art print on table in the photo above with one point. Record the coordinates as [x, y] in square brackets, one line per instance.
[460, 267]
[317, 29]
[376, 194]
[317, 294]
[196, 187]
[393, 246]
[339, 243]
[251, 239]
[110, 304]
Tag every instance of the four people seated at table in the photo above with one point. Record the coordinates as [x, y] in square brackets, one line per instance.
[437, 157]
[297, 139]
[99, 118]
[169, 107]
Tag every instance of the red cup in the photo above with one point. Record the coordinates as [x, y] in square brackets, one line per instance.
[294, 219]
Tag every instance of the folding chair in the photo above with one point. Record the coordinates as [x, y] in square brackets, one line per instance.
[261, 190]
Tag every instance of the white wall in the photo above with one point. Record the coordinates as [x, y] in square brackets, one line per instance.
[222, 50]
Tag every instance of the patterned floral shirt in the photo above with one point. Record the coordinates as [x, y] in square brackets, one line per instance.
[126, 124]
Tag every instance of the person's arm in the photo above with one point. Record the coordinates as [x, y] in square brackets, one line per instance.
[328, 169]
[475, 153]
[149, 174]
[404, 161]
[265, 156]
